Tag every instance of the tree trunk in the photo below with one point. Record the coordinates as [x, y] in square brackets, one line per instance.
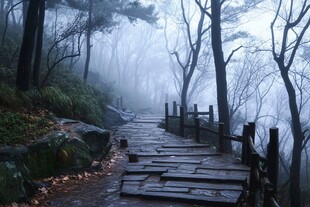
[184, 94]
[25, 54]
[25, 9]
[220, 69]
[295, 195]
[38, 55]
[2, 13]
[88, 36]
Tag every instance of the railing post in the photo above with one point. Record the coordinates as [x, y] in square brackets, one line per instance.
[174, 111]
[195, 111]
[253, 180]
[269, 192]
[247, 150]
[181, 121]
[197, 130]
[273, 157]
[166, 117]
[221, 137]
[211, 115]
[244, 144]
[252, 128]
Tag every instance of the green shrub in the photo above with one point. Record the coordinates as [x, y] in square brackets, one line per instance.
[56, 101]
[17, 128]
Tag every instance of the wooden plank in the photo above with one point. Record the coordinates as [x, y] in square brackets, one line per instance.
[232, 168]
[202, 178]
[178, 161]
[172, 150]
[185, 145]
[146, 164]
[156, 170]
[177, 154]
[192, 199]
[135, 177]
[168, 189]
[210, 186]
[223, 172]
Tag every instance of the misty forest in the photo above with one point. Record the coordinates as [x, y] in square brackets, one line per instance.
[74, 72]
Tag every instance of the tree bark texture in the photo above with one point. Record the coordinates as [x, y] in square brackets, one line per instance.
[2, 13]
[88, 37]
[38, 54]
[25, 9]
[220, 69]
[295, 195]
[26, 50]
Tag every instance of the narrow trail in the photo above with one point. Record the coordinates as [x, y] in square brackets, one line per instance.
[171, 172]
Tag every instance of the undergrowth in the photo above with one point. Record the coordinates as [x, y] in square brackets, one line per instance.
[18, 128]
[65, 96]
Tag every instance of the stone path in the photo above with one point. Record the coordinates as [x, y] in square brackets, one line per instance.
[171, 168]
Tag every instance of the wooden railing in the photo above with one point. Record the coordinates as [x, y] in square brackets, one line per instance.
[195, 114]
[263, 169]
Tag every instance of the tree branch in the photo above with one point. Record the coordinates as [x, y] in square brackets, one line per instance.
[232, 53]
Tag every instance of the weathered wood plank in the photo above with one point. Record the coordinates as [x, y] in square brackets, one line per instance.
[178, 161]
[202, 178]
[177, 154]
[135, 177]
[188, 198]
[210, 186]
[172, 150]
[157, 170]
[185, 145]
[232, 168]
[168, 189]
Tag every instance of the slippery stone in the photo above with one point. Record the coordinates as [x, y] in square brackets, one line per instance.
[117, 116]
[96, 138]
[15, 182]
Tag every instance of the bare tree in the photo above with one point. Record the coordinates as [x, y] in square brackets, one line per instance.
[296, 22]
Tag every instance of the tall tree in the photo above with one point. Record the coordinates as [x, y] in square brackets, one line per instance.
[88, 38]
[26, 50]
[191, 61]
[231, 16]
[296, 22]
[39, 45]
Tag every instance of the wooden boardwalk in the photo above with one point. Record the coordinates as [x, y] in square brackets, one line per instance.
[178, 169]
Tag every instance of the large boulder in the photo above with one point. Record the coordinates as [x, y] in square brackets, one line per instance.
[41, 159]
[57, 153]
[15, 181]
[73, 154]
[115, 116]
[96, 138]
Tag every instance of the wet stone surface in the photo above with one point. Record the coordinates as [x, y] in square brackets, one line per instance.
[145, 183]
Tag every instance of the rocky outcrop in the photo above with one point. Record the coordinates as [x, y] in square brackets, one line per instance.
[96, 138]
[116, 116]
[15, 181]
[60, 152]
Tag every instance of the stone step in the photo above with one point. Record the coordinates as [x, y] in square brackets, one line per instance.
[178, 161]
[157, 170]
[210, 186]
[192, 199]
[185, 145]
[177, 154]
[202, 178]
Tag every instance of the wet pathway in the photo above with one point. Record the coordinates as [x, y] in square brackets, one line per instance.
[171, 172]
[167, 167]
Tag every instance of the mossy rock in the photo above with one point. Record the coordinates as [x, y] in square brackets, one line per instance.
[96, 138]
[74, 154]
[15, 182]
[41, 158]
